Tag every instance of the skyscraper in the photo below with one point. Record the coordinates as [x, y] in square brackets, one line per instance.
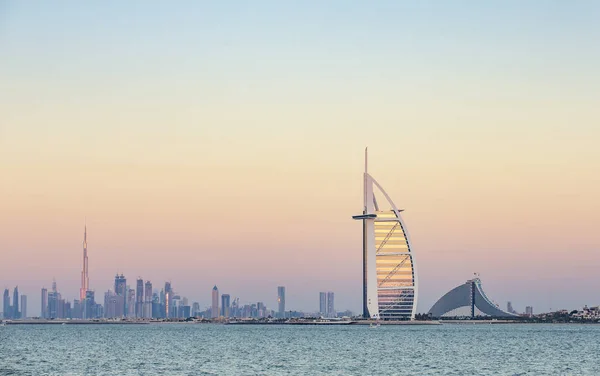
[148, 300]
[85, 280]
[15, 314]
[214, 311]
[281, 301]
[323, 304]
[330, 307]
[120, 285]
[131, 303]
[89, 306]
[23, 306]
[6, 308]
[139, 299]
[44, 310]
[121, 295]
[225, 305]
[389, 271]
[168, 299]
[53, 298]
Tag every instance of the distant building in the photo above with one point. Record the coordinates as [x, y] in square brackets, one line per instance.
[281, 301]
[509, 308]
[168, 300]
[90, 308]
[23, 306]
[330, 306]
[529, 311]
[15, 314]
[121, 290]
[148, 300]
[467, 300]
[139, 298]
[215, 302]
[44, 310]
[225, 303]
[131, 303]
[195, 309]
[113, 305]
[323, 304]
[6, 307]
[85, 278]
[157, 310]
[53, 298]
[261, 310]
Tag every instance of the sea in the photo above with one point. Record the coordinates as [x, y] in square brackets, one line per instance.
[215, 349]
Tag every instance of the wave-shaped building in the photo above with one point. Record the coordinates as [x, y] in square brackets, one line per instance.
[389, 272]
[467, 300]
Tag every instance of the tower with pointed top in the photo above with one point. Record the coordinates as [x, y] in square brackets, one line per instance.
[214, 310]
[389, 272]
[85, 279]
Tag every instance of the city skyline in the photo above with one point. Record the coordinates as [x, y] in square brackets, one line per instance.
[168, 129]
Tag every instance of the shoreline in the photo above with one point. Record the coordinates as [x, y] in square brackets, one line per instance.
[312, 322]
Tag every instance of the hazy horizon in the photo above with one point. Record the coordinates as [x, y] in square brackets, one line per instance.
[222, 143]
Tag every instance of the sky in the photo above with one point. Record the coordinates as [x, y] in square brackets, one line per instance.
[222, 142]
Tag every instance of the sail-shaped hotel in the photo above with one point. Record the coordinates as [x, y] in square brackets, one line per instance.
[389, 272]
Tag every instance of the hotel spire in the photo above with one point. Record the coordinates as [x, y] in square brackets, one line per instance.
[85, 279]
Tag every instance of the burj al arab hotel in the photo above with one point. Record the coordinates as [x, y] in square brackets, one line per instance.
[389, 272]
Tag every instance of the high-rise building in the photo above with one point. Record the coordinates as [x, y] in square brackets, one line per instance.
[529, 311]
[15, 314]
[225, 300]
[148, 300]
[139, 299]
[330, 306]
[23, 306]
[281, 301]
[215, 302]
[168, 299]
[261, 310]
[44, 310]
[6, 307]
[53, 298]
[389, 271]
[120, 285]
[323, 304]
[85, 279]
[90, 310]
[112, 305]
[121, 292]
[195, 309]
[130, 302]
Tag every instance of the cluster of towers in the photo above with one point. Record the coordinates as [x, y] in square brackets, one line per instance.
[11, 311]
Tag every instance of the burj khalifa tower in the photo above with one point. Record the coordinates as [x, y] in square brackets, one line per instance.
[85, 278]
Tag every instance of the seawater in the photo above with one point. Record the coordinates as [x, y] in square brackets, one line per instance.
[211, 349]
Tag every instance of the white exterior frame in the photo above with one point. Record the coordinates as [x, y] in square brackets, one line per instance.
[370, 208]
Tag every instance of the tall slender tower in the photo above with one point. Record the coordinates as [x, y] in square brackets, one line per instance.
[85, 278]
[214, 311]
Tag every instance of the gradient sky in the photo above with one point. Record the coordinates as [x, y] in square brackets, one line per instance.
[222, 143]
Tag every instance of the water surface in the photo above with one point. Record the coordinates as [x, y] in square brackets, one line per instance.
[210, 349]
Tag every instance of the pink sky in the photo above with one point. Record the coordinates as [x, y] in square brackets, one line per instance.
[229, 151]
